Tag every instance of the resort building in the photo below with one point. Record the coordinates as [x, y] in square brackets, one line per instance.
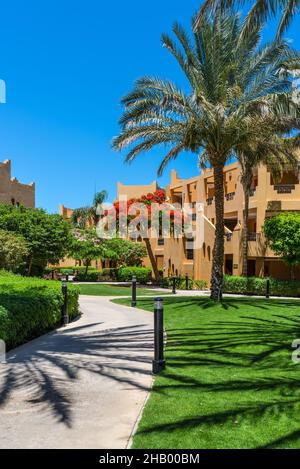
[178, 256]
[12, 191]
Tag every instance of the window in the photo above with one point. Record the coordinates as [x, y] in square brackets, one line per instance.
[189, 246]
[161, 242]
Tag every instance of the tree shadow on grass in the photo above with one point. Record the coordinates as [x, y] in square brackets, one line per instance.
[46, 370]
[244, 367]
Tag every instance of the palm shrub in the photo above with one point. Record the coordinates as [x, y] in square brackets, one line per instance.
[232, 83]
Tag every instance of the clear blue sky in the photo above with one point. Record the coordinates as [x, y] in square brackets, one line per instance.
[66, 65]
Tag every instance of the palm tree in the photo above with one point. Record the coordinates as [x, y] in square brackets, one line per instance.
[268, 148]
[231, 81]
[84, 216]
[259, 13]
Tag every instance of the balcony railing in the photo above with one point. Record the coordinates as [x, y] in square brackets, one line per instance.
[230, 196]
[284, 188]
[209, 201]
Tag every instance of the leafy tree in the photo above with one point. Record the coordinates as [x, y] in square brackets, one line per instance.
[283, 235]
[13, 250]
[233, 82]
[84, 216]
[157, 197]
[47, 236]
[260, 11]
[85, 247]
[123, 252]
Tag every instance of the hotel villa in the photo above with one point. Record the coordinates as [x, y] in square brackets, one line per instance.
[268, 197]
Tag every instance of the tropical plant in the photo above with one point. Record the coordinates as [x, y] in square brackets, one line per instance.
[123, 252]
[85, 247]
[260, 11]
[88, 216]
[232, 83]
[283, 236]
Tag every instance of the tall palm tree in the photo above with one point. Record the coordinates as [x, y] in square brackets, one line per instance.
[268, 148]
[231, 81]
[84, 216]
[260, 11]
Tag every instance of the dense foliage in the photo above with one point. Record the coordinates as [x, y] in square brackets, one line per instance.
[47, 236]
[142, 274]
[257, 286]
[283, 235]
[123, 252]
[13, 250]
[30, 307]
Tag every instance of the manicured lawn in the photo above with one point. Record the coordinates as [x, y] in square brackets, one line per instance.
[230, 381]
[111, 290]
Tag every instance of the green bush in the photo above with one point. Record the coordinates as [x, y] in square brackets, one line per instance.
[109, 274]
[30, 307]
[143, 274]
[257, 286]
[92, 275]
[180, 283]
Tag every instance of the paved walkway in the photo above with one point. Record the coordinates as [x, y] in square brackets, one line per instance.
[82, 386]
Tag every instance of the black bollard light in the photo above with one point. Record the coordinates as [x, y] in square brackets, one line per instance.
[158, 362]
[65, 315]
[186, 281]
[67, 278]
[133, 292]
[268, 288]
[52, 274]
[174, 286]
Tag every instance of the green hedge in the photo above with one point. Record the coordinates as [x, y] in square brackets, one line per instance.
[257, 286]
[180, 283]
[143, 274]
[30, 307]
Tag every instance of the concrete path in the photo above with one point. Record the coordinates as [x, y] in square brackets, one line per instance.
[82, 386]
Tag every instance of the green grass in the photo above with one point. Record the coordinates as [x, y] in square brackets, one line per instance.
[230, 381]
[111, 290]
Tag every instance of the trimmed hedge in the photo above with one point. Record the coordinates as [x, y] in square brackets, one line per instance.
[143, 274]
[257, 286]
[30, 307]
[180, 283]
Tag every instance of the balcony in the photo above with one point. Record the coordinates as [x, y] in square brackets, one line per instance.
[252, 192]
[229, 196]
[209, 201]
[228, 236]
[284, 188]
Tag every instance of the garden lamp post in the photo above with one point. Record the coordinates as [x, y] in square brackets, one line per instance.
[133, 292]
[158, 362]
[65, 315]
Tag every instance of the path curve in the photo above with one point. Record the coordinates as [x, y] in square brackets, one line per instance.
[82, 386]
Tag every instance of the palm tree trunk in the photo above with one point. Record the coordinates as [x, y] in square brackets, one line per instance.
[218, 252]
[152, 260]
[245, 234]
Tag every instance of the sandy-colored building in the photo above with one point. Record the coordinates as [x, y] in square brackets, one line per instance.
[180, 257]
[12, 191]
